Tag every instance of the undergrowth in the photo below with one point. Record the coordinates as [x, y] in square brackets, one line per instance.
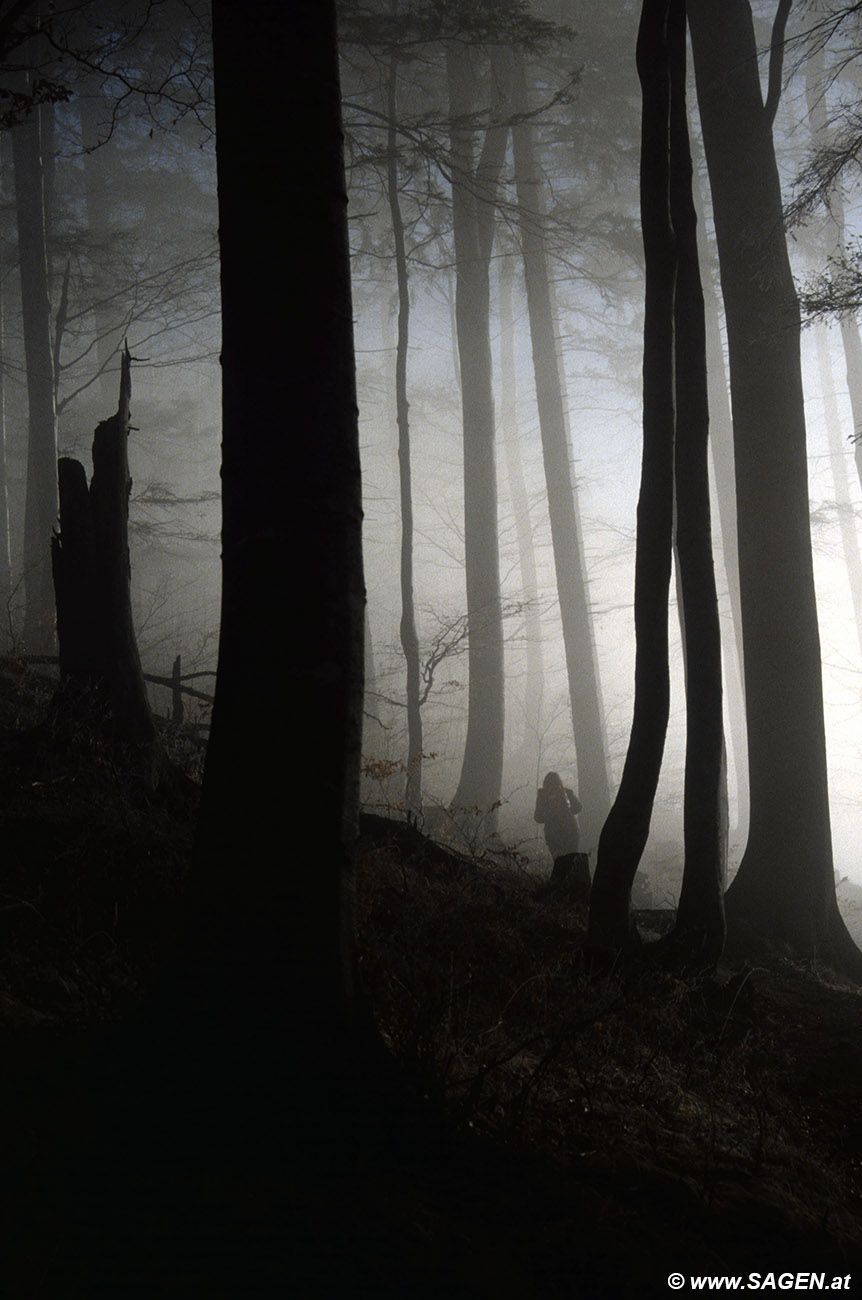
[93, 862]
[481, 992]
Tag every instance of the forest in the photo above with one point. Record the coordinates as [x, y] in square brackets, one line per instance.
[430, 652]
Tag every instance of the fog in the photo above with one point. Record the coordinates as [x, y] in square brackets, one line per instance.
[130, 215]
[606, 460]
[142, 259]
[599, 291]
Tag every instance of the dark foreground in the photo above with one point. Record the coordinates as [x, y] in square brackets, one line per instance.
[564, 1136]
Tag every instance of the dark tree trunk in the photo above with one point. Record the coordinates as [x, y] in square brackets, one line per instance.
[569, 565]
[79, 623]
[625, 832]
[700, 926]
[98, 647]
[409, 637]
[473, 188]
[42, 500]
[270, 961]
[784, 888]
[110, 488]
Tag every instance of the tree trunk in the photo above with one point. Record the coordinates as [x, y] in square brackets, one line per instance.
[625, 832]
[80, 619]
[409, 637]
[784, 888]
[269, 965]
[42, 500]
[110, 488]
[527, 756]
[700, 926]
[98, 647]
[569, 566]
[473, 187]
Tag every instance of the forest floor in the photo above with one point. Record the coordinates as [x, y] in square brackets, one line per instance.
[587, 1136]
[692, 1125]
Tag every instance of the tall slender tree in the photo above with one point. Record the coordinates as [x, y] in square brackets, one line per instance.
[407, 627]
[625, 831]
[585, 695]
[675, 473]
[527, 754]
[474, 184]
[700, 925]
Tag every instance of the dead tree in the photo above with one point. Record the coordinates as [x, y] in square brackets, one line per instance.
[99, 659]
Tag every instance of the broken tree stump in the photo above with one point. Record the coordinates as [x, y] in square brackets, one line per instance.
[99, 658]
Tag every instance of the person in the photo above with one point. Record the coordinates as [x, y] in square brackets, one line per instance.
[557, 808]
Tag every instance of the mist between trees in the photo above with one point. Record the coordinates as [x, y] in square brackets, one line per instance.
[498, 296]
[107, 234]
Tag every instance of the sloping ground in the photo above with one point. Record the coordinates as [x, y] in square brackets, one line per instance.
[91, 869]
[569, 1136]
[708, 1126]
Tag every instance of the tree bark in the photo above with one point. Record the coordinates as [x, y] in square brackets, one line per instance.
[269, 967]
[784, 888]
[80, 622]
